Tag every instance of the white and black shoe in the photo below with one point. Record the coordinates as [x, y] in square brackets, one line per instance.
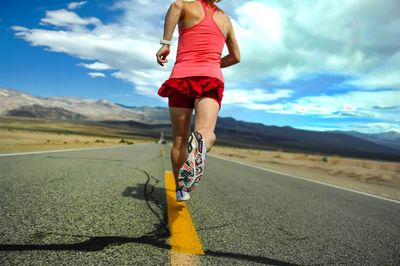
[191, 172]
[182, 195]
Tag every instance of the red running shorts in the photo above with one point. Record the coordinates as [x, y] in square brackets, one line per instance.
[182, 92]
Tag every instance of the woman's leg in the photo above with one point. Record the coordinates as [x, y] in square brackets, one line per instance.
[180, 121]
[206, 118]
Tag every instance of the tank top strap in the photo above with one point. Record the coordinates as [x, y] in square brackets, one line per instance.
[205, 8]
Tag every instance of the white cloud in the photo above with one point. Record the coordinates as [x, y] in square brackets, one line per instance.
[68, 19]
[103, 44]
[319, 128]
[384, 74]
[250, 96]
[260, 18]
[128, 45]
[96, 74]
[76, 5]
[354, 104]
[294, 38]
[375, 127]
[96, 66]
[364, 127]
[278, 39]
[19, 30]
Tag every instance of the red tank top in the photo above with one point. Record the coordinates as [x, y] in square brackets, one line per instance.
[200, 48]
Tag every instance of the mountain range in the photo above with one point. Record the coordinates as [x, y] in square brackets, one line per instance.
[152, 120]
[18, 103]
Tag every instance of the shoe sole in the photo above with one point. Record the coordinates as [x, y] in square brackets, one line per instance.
[182, 199]
[197, 176]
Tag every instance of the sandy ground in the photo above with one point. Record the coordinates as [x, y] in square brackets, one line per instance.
[23, 140]
[376, 177]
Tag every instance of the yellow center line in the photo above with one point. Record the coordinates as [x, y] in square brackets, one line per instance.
[184, 241]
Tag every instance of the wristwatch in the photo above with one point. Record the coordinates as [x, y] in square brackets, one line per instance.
[162, 41]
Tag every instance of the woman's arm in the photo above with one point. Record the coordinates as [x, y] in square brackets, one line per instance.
[175, 12]
[234, 53]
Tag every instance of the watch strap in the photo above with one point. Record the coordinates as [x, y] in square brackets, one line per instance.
[162, 41]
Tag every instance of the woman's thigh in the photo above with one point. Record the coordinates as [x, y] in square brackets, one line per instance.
[206, 110]
[180, 122]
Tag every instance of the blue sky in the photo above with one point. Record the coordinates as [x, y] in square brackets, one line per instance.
[319, 65]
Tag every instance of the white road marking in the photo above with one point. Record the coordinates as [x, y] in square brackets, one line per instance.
[216, 156]
[305, 179]
[66, 150]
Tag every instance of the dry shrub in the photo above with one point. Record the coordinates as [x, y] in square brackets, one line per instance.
[278, 154]
[376, 177]
[334, 160]
[391, 166]
[331, 171]
[366, 165]
[254, 152]
[314, 158]
[354, 175]
[299, 157]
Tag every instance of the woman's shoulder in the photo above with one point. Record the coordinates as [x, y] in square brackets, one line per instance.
[222, 15]
[179, 4]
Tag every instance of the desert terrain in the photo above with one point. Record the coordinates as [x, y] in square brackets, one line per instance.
[23, 135]
[372, 176]
[375, 177]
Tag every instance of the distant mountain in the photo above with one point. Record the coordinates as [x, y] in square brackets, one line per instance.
[231, 132]
[39, 111]
[90, 109]
[390, 139]
[257, 135]
[150, 121]
[160, 114]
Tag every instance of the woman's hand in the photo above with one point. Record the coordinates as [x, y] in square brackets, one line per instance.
[162, 55]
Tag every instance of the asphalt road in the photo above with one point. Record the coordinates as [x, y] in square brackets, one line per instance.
[108, 206]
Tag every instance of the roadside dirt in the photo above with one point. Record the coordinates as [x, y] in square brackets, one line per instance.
[24, 141]
[376, 177]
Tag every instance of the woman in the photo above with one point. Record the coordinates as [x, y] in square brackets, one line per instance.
[196, 81]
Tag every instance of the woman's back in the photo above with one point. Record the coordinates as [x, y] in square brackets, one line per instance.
[188, 13]
[201, 41]
[194, 13]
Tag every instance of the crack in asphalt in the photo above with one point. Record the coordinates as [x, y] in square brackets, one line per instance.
[162, 228]
[156, 238]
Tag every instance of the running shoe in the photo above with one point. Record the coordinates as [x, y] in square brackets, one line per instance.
[182, 195]
[192, 170]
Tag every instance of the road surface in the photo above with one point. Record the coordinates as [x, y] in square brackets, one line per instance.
[109, 206]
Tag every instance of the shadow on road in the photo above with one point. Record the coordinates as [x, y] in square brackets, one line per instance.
[94, 243]
[155, 199]
[98, 243]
